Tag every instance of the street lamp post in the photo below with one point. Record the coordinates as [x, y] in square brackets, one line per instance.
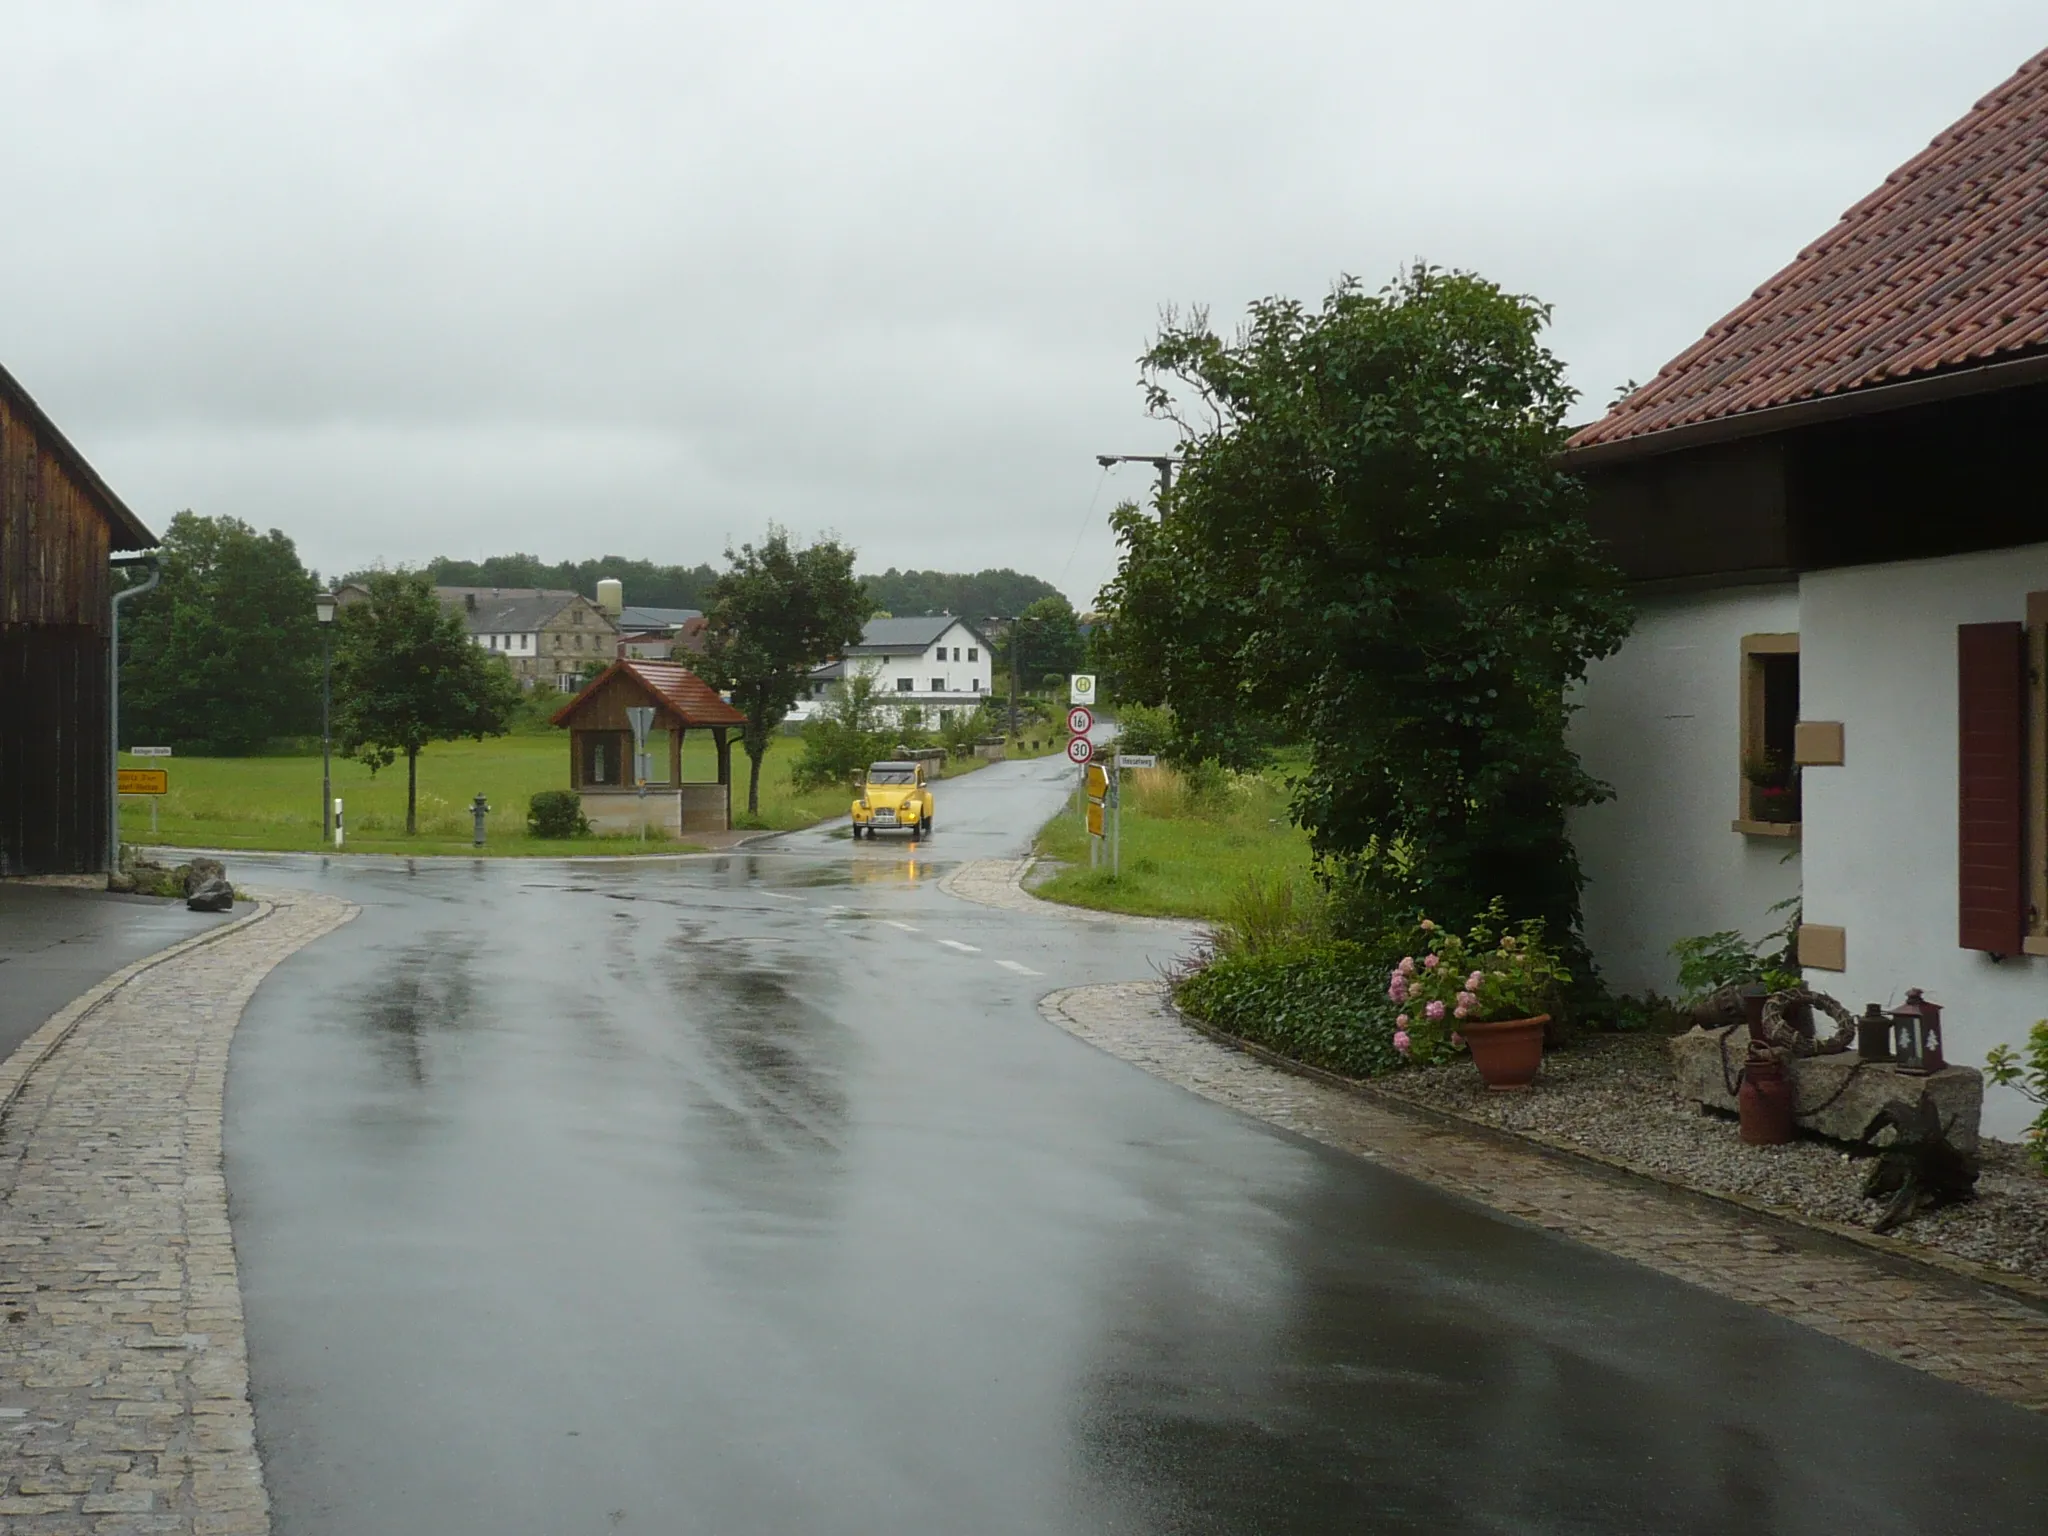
[323, 610]
[1158, 461]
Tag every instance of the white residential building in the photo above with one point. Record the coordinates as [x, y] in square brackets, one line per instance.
[932, 664]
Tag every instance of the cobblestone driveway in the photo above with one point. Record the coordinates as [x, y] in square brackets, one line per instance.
[124, 1394]
[1948, 1328]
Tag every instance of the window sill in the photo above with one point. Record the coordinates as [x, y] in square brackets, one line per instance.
[1765, 828]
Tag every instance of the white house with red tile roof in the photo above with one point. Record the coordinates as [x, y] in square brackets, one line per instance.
[1834, 513]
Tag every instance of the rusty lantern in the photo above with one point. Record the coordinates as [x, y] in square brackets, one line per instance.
[1916, 1034]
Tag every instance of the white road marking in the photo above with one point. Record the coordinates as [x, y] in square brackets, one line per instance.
[965, 949]
[779, 895]
[1021, 970]
[904, 926]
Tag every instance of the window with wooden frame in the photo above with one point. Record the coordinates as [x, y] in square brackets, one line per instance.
[1767, 803]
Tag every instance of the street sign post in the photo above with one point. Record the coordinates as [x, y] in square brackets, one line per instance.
[1080, 721]
[1081, 688]
[143, 781]
[1137, 760]
[641, 716]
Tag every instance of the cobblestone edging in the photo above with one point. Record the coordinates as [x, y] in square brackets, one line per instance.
[124, 1402]
[1000, 883]
[1934, 1321]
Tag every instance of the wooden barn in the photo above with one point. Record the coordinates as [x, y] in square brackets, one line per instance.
[59, 524]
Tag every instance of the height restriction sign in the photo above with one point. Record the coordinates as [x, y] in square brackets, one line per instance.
[1079, 721]
[1080, 749]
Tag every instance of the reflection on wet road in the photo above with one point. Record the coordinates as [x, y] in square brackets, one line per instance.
[750, 1194]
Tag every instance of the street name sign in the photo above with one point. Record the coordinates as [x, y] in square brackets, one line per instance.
[1137, 760]
[142, 781]
[1081, 688]
[149, 751]
[1080, 749]
[1079, 721]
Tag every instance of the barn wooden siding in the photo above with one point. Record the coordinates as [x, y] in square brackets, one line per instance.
[58, 524]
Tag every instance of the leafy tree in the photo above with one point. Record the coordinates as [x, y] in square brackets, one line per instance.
[225, 653]
[647, 583]
[406, 673]
[776, 613]
[972, 596]
[845, 736]
[1370, 536]
[1048, 637]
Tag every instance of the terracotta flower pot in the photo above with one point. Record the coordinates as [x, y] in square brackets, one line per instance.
[1507, 1053]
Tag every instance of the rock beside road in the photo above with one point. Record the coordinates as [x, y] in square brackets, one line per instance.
[212, 894]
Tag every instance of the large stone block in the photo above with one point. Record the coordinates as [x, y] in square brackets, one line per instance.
[1835, 1096]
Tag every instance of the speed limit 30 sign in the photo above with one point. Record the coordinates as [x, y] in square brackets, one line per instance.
[1079, 721]
[1080, 749]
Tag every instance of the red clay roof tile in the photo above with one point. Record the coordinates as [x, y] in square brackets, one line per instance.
[1944, 266]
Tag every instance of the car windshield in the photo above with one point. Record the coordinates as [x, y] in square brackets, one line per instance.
[891, 776]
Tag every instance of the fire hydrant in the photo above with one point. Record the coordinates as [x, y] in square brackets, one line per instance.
[479, 808]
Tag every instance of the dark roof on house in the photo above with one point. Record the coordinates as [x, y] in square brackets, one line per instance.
[880, 636]
[638, 620]
[128, 531]
[507, 610]
[686, 695]
[1943, 267]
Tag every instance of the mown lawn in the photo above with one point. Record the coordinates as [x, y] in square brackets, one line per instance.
[1181, 858]
[274, 802]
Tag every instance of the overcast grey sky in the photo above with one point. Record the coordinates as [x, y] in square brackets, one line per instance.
[434, 277]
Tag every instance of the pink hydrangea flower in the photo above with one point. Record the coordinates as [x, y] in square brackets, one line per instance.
[1466, 1000]
[1401, 1041]
[1407, 966]
[1472, 982]
[1457, 1040]
[1434, 1011]
[1431, 962]
[1460, 1011]
[1428, 926]
[1401, 1020]
[1397, 988]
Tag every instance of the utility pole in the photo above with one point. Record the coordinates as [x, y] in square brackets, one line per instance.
[324, 604]
[1015, 637]
[154, 567]
[1158, 461]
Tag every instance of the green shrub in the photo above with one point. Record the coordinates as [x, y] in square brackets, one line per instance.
[2030, 1076]
[1266, 916]
[1323, 1003]
[1143, 730]
[557, 813]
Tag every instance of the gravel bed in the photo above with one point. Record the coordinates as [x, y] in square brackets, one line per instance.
[1614, 1096]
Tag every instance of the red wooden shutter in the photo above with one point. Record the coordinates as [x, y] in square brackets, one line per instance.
[1991, 692]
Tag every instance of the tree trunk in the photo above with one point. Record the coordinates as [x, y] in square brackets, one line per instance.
[754, 777]
[412, 791]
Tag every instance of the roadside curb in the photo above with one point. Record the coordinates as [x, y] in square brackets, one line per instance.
[21, 1063]
[2019, 1288]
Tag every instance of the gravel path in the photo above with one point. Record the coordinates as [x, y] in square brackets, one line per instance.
[1613, 1097]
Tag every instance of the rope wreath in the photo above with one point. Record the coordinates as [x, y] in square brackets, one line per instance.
[1777, 1032]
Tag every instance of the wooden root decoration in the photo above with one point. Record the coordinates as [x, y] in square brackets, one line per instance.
[1920, 1169]
[1781, 1034]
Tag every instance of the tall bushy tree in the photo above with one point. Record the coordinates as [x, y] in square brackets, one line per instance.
[406, 673]
[1370, 539]
[776, 613]
[1047, 636]
[225, 654]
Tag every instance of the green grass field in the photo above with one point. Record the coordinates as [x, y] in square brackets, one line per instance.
[1179, 859]
[274, 802]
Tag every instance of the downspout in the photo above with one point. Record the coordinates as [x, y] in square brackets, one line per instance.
[114, 699]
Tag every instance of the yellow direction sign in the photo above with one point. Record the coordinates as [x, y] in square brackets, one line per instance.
[1098, 780]
[143, 781]
[1094, 819]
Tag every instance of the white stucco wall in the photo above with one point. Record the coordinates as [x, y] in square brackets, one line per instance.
[1878, 653]
[1659, 721]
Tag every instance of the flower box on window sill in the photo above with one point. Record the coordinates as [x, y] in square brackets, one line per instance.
[1764, 828]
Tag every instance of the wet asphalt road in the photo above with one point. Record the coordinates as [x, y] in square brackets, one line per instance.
[725, 1195]
[57, 942]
